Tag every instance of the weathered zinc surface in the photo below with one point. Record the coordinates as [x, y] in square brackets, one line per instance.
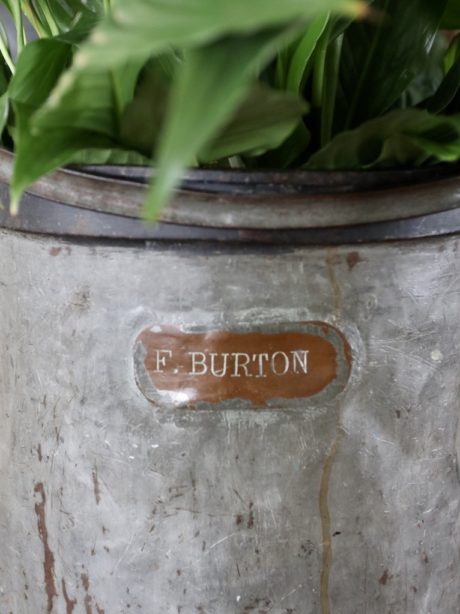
[111, 503]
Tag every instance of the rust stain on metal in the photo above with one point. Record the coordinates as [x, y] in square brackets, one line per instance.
[88, 598]
[353, 258]
[96, 486]
[69, 603]
[217, 366]
[332, 260]
[55, 251]
[251, 516]
[325, 516]
[48, 562]
[100, 610]
[385, 578]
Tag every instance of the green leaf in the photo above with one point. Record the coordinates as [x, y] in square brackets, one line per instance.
[4, 111]
[143, 117]
[84, 101]
[210, 85]
[380, 60]
[405, 137]
[142, 28]
[331, 74]
[37, 71]
[262, 122]
[80, 113]
[452, 54]
[68, 13]
[427, 81]
[446, 92]
[451, 87]
[300, 60]
[291, 152]
[55, 17]
[110, 156]
[4, 96]
[39, 154]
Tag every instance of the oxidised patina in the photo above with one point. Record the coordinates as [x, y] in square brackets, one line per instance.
[347, 503]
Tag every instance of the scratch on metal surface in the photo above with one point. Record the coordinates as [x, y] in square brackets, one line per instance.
[457, 451]
[326, 522]
[390, 443]
[123, 555]
[48, 561]
[285, 596]
[97, 487]
[220, 541]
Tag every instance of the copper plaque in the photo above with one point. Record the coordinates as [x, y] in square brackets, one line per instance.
[265, 367]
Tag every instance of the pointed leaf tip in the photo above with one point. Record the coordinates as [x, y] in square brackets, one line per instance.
[362, 10]
[14, 205]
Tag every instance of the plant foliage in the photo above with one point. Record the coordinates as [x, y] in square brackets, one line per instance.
[323, 84]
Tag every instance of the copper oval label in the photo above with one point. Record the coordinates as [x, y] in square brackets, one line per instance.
[265, 367]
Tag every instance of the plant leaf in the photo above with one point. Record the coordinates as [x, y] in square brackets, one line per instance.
[142, 28]
[61, 16]
[331, 73]
[446, 92]
[408, 137]
[81, 112]
[302, 53]
[427, 81]
[4, 96]
[380, 61]
[452, 54]
[83, 102]
[37, 155]
[143, 117]
[109, 156]
[263, 121]
[38, 69]
[210, 84]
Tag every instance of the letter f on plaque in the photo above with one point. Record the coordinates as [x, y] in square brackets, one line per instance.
[160, 359]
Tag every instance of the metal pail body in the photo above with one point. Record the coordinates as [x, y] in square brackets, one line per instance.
[342, 501]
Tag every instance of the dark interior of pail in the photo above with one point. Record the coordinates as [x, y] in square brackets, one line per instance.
[283, 182]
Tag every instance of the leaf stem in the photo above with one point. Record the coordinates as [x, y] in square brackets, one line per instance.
[54, 29]
[330, 89]
[31, 15]
[362, 78]
[18, 22]
[6, 55]
[319, 68]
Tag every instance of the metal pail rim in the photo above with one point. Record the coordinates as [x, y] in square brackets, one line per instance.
[257, 200]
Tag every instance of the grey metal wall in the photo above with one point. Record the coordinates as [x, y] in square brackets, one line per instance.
[111, 505]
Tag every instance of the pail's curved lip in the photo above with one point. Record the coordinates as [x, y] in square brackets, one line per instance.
[258, 200]
[281, 182]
